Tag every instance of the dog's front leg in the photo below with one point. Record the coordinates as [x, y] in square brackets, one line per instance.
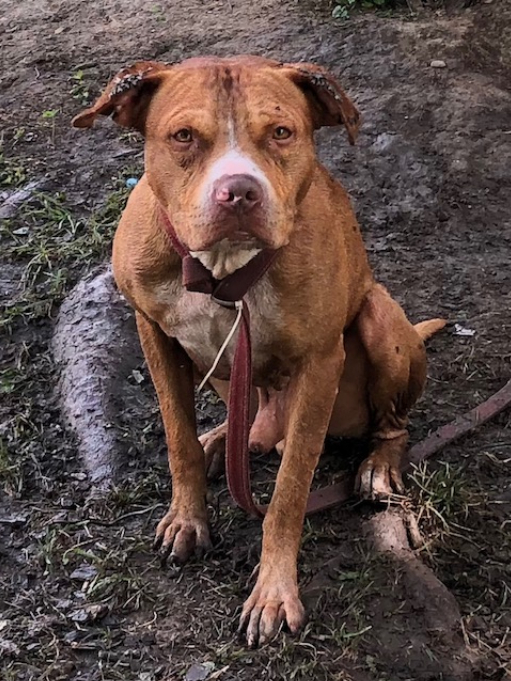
[185, 527]
[275, 598]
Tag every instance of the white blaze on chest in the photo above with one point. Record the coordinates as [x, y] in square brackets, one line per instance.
[224, 258]
[201, 325]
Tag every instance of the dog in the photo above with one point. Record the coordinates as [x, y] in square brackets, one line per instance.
[230, 162]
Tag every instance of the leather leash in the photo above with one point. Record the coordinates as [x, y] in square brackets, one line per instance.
[226, 293]
[231, 290]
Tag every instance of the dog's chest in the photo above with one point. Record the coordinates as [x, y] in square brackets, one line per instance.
[201, 326]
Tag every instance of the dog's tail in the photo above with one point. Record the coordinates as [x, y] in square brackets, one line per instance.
[429, 327]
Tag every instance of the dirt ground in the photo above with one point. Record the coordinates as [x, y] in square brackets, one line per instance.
[81, 594]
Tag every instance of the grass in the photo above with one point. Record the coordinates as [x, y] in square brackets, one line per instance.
[12, 172]
[443, 495]
[343, 9]
[79, 88]
[52, 248]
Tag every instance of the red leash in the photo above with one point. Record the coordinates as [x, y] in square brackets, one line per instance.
[227, 292]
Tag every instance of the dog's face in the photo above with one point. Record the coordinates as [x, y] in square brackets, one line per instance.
[229, 148]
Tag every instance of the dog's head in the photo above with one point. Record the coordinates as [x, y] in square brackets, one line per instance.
[229, 148]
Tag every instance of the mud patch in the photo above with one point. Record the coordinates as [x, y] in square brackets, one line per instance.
[96, 350]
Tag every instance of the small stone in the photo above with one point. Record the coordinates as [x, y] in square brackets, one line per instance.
[131, 182]
[97, 611]
[438, 64]
[84, 573]
[67, 502]
[89, 613]
[137, 376]
[64, 604]
[81, 616]
[71, 637]
[199, 672]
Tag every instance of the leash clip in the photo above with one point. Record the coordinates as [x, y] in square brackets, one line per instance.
[229, 304]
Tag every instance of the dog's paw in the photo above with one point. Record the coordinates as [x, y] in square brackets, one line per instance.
[180, 534]
[213, 443]
[271, 605]
[378, 479]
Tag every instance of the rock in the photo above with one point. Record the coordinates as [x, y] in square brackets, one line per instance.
[438, 64]
[199, 672]
[84, 573]
[90, 613]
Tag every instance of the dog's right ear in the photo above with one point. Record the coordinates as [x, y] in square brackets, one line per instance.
[126, 96]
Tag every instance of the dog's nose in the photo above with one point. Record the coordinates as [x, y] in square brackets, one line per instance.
[238, 191]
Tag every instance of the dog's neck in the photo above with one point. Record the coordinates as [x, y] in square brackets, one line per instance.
[224, 258]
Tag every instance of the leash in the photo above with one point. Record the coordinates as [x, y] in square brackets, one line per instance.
[229, 293]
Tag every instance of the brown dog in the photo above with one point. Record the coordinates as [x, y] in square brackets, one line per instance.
[230, 158]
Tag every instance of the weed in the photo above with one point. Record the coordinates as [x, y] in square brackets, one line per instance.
[79, 89]
[158, 11]
[343, 8]
[49, 114]
[18, 134]
[49, 120]
[12, 172]
[442, 494]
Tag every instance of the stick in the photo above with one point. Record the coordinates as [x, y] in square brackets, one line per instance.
[462, 425]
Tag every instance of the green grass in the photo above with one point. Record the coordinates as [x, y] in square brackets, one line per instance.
[443, 496]
[52, 247]
[12, 172]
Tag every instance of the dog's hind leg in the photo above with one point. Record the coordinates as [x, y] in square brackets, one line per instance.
[396, 376]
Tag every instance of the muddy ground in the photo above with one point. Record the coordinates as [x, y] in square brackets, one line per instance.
[81, 594]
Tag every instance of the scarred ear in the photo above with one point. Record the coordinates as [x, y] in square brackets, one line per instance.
[330, 104]
[126, 96]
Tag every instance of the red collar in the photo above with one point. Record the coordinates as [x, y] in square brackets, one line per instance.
[225, 291]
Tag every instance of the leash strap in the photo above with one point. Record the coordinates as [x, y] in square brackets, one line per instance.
[229, 293]
[237, 456]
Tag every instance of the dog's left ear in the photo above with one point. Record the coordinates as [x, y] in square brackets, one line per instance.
[126, 96]
[329, 103]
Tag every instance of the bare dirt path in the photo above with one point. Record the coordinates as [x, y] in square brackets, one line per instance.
[81, 596]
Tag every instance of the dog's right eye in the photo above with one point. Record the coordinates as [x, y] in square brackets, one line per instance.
[281, 133]
[183, 136]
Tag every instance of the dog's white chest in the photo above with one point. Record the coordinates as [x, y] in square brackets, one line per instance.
[201, 326]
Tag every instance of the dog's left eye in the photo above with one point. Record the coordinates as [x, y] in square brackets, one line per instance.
[281, 133]
[184, 136]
